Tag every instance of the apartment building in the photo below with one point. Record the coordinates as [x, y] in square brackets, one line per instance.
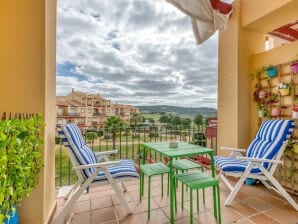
[90, 110]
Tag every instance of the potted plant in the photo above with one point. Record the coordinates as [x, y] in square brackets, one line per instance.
[260, 97]
[295, 100]
[294, 65]
[284, 88]
[271, 71]
[20, 162]
[259, 73]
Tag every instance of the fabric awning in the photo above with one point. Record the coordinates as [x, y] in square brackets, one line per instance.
[207, 16]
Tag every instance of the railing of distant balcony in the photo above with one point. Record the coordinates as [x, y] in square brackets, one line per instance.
[68, 114]
[129, 144]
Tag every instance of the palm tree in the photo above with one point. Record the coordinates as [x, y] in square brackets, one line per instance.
[114, 123]
[135, 119]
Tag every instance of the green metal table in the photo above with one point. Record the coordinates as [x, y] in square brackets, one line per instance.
[184, 149]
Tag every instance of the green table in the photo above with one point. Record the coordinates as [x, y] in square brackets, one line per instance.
[184, 149]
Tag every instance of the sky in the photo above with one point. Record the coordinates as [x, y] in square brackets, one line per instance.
[138, 52]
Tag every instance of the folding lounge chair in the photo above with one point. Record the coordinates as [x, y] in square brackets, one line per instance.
[261, 160]
[90, 171]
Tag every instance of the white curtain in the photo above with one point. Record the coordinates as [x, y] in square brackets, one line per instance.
[205, 20]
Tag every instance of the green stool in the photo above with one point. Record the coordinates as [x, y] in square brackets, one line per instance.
[185, 165]
[197, 181]
[150, 170]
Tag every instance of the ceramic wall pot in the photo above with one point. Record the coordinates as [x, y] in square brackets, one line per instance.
[295, 114]
[272, 72]
[261, 113]
[294, 67]
[275, 112]
[284, 92]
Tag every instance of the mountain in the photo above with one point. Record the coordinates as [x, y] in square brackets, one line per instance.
[181, 111]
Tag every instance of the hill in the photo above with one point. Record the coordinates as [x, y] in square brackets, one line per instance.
[181, 111]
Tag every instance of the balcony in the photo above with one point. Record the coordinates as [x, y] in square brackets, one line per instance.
[98, 114]
[69, 114]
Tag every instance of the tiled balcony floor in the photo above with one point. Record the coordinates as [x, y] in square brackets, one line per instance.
[254, 204]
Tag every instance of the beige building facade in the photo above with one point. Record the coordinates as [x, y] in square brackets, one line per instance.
[90, 110]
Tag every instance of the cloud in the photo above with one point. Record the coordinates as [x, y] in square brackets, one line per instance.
[140, 52]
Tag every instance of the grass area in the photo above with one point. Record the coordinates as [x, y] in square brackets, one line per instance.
[154, 116]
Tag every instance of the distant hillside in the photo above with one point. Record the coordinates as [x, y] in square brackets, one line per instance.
[181, 111]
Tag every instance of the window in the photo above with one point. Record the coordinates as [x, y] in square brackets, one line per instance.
[89, 111]
[89, 119]
[60, 121]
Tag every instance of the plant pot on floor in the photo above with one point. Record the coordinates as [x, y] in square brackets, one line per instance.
[294, 67]
[14, 218]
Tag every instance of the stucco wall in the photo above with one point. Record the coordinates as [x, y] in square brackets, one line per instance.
[27, 85]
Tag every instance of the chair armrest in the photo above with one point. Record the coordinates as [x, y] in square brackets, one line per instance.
[233, 149]
[96, 165]
[106, 152]
[259, 160]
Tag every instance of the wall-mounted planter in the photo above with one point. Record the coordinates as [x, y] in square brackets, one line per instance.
[275, 112]
[271, 72]
[295, 148]
[284, 92]
[294, 67]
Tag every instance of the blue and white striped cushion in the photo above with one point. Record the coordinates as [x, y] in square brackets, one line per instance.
[267, 143]
[125, 169]
[73, 140]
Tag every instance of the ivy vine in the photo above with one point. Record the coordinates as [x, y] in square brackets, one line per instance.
[20, 160]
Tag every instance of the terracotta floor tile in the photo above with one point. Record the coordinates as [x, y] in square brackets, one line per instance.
[181, 213]
[132, 219]
[162, 201]
[116, 201]
[156, 216]
[143, 206]
[271, 199]
[206, 217]
[243, 209]
[184, 221]
[245, 221]
[103, 215]
[102, 202]
[230, 215]
[84, 197]
[81, 218]
[257, 204]
[262, 219]
[282, 215]
[81, 206]
[100, 194]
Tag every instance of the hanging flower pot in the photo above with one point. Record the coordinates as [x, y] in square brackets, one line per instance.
[271, 71]
[295, 112]
[295, 148]
[261, 113]
[14, 218]
[294, 67]
[275, 112]
[284, 92]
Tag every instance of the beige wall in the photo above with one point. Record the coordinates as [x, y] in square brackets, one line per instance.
[27, 85]
[239, 46]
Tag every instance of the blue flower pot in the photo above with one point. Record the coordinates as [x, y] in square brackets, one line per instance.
[272, 72]
[249, 181]
[14, 218]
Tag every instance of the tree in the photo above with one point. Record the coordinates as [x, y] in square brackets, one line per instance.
[198, 120]
[91, 136]
[186, 121]
[114, 124]
[164, 119]
[135, 119]
[176, 120]
[151, 120]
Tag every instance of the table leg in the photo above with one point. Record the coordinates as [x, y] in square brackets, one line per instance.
[214, 188]
[172, 192]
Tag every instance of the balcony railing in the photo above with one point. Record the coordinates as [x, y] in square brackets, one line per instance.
[68, 114]
[128, 142]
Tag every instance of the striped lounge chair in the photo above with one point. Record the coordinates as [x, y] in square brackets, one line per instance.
[91, 171]
[261, 160]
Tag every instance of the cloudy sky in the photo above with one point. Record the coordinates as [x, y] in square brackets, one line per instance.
[139, 52]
